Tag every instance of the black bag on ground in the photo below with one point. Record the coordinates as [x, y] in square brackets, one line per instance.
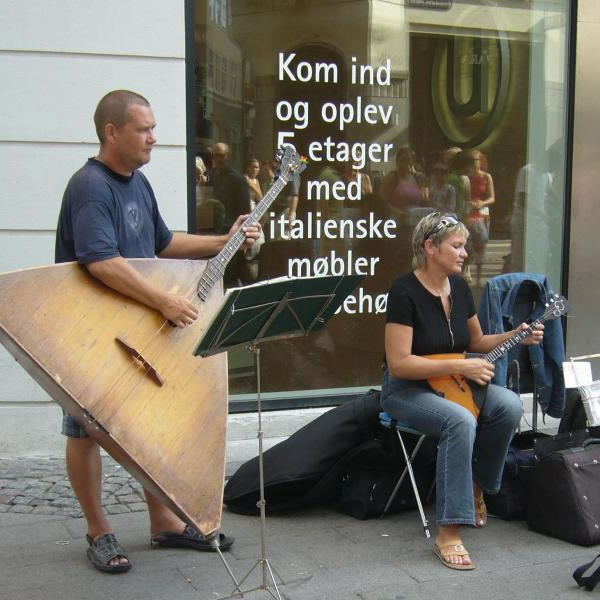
[547, 445]
[564, 494]
[574, 417]
[587, 581]
[306, 468]
[373, 471]
[510, 502]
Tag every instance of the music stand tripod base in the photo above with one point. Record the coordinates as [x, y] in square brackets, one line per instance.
[249, 316]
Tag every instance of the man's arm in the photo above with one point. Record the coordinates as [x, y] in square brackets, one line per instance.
[185, 245]
[119, 275]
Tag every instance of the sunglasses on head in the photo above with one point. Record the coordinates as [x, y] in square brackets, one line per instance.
[445, 221]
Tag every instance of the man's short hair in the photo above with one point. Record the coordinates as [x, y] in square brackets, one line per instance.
[113, 109]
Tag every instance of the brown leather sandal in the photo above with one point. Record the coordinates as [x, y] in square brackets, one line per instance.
[445, 552]
[480, 509]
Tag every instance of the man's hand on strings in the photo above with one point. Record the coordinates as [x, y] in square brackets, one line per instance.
[252, 232]
[178, 310]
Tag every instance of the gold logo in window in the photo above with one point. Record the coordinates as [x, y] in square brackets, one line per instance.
[469, 87]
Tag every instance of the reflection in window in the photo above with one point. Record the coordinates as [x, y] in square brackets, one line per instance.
[220, 12]
[210, 72]
[458, 108]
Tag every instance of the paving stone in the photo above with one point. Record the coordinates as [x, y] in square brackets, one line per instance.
[66, 502]
[20, 484]
[37, 488]
[21, 500]
[40, 502]
[138, 506]
[57, 488]
[6, 498]
[48, 496]
[20, 508]
[45, 510]
[130, 498]
[113, 479]
[11, 492]
[124, 491]
[116, 509]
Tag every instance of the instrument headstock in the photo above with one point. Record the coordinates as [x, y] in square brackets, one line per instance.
[291, 163]
[557, 307]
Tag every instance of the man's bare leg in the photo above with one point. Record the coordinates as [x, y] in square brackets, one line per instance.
[167, 529]
[161, 517]
[84, 467]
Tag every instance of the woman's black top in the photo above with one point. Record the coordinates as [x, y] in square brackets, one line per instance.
[410, 303]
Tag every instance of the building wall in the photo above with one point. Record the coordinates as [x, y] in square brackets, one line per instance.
[57, 59]
[583, 326]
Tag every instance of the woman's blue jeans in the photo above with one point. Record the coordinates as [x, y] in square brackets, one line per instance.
[468, 450]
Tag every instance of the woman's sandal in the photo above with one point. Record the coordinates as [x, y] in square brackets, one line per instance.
[445, 552]
[480, 509]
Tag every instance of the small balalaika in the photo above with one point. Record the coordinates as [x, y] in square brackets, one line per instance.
[126, 375]
[470, 394]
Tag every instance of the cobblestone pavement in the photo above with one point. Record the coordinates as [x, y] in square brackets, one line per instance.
[41, 486]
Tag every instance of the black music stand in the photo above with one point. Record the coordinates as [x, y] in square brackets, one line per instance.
[270, 310]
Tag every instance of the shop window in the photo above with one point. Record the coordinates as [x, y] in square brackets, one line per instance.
[393, 104]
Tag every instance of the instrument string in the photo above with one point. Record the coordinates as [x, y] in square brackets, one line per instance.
[197, 294]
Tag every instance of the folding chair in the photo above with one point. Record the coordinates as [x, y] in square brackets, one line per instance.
[387, 421]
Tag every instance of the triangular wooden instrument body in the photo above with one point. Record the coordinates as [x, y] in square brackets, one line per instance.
[164, 415]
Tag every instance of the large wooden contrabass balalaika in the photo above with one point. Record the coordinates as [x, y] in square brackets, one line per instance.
[130, 377]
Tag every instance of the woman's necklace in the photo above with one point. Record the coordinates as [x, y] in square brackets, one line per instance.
[444, 291]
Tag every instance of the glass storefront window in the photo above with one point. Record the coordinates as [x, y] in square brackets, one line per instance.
[401, 107]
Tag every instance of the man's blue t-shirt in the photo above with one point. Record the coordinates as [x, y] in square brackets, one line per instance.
[104, 215]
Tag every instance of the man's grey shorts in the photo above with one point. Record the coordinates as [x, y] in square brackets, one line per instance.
[71, 428]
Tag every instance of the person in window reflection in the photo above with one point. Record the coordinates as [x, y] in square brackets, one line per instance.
[431, 311]
[532, 189]
[405, 189]
[353, 173]
[286, 202]
[231, 197]
[251, 176]
[249, 270]
[268, 170]
[454, 159]
[478, 211]
[109, 213]
[229, 187]
[458, 165]
[442, 196]
[201, 171]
